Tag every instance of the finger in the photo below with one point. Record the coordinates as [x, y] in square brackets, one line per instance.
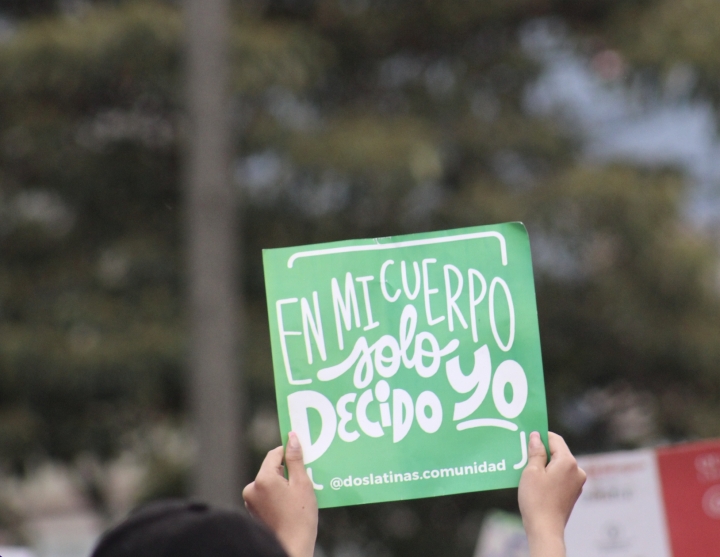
[247, 491]
[558, 447]
[294, 459]
[537, 456]
[272, 463]
[583, 475]
[248, 494]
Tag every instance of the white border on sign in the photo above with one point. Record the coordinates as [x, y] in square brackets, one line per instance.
[405, 244]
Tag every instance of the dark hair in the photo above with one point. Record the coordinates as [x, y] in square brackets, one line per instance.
[177, 528]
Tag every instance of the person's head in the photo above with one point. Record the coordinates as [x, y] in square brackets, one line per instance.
[187, 529]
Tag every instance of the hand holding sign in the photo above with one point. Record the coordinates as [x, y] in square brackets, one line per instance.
[547, 495]
[287, 507]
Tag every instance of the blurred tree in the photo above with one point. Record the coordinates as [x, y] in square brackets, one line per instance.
[92, 331]
[354, 118]
[675, 43]
[24, 8]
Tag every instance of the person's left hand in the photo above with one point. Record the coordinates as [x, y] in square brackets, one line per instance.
[288, 507]
[548, 493]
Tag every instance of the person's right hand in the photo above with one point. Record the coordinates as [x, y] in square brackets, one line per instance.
[548, 493]
[288, 507]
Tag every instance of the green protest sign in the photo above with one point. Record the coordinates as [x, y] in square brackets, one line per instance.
[408, 366]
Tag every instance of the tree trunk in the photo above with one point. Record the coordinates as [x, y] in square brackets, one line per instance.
[212, 257]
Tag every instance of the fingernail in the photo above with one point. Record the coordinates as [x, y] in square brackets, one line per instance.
[535, 442]
[293, 441]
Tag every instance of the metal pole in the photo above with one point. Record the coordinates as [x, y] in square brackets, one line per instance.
[212, 258]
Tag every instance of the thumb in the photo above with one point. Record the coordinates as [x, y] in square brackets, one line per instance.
[537, 456]
[294, 458]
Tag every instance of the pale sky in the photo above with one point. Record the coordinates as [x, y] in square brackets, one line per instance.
[621, 122]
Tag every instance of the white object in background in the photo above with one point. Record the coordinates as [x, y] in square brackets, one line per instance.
[620, 512]
[502, 535]
[67, 535]
[6, 551]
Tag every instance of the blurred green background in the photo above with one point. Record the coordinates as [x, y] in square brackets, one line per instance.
[350, 118]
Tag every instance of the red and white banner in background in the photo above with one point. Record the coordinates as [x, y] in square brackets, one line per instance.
[649, 503]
